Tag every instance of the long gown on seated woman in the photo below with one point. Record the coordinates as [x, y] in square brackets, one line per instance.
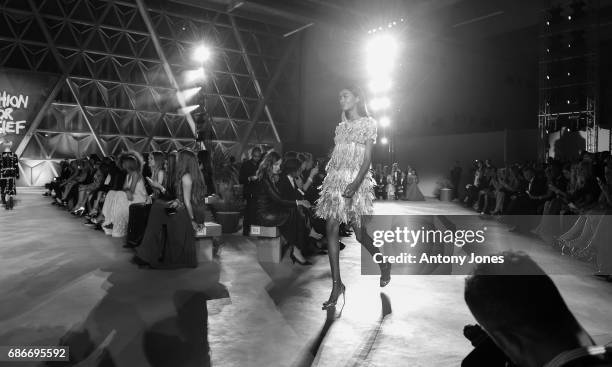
[169, 242]
[116, 206]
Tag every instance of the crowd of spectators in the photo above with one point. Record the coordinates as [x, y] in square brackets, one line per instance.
[567, 204]
[156, 202]
[150, 203]
[396, 183]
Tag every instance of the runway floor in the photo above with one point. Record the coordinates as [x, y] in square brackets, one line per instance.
[61, 282]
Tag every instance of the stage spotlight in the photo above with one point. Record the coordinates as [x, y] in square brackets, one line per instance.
[380, 85]
[382, 46]
[380, 103]
[201, 53]
[188, 109]
[384, 121]
[384, 141]
[188, 93]
[380, 54]
[194, 75]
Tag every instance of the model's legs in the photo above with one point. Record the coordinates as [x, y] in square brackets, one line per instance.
[368, 244]
[333, 248]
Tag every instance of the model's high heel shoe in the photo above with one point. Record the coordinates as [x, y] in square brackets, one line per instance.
[333, 298]
[385, 274]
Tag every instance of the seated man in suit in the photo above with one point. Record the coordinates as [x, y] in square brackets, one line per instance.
[528, 201]
[288, 190]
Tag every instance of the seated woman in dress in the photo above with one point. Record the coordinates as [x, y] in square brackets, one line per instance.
[169, 239]
[85, 190]
[274, 211]
[591, 204]
[78, 176]
[116, 208]
[558, 184]
[139, 213]
[412, 193]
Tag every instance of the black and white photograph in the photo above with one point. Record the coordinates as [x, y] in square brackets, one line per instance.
[306, 183]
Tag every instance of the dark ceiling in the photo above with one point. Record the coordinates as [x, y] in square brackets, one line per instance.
[454, 18]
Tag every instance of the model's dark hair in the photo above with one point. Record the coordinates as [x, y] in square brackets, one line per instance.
[362, 108]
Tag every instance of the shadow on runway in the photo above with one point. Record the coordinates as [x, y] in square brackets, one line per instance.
[363, 351]
[147, 316]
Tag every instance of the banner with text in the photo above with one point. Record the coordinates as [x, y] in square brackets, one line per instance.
[22, 94]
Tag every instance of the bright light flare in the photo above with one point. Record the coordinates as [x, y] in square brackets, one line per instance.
[188, 109]
[384, 141]
[201, 53]
[188, 93]
[195, 75]
[378, 85]
[384, 121]
[381, 52]
[380, 103]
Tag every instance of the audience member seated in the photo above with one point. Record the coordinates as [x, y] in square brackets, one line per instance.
[248, 180]
[487, 190]
[288, 190]
[86, 190]
[77, 175]
[472, 189]
[139, 212]
[169, 239]
[584, 238]
[54, 188]
[117, 203]
[274, 211]
[558, 184]
[524, 204]
[521, 309]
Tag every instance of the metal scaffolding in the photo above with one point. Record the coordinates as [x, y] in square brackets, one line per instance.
[569, 70]
[118, 81]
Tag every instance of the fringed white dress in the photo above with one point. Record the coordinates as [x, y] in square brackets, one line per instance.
[346, 160]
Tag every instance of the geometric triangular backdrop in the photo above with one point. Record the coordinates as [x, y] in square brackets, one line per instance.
[116, 94]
